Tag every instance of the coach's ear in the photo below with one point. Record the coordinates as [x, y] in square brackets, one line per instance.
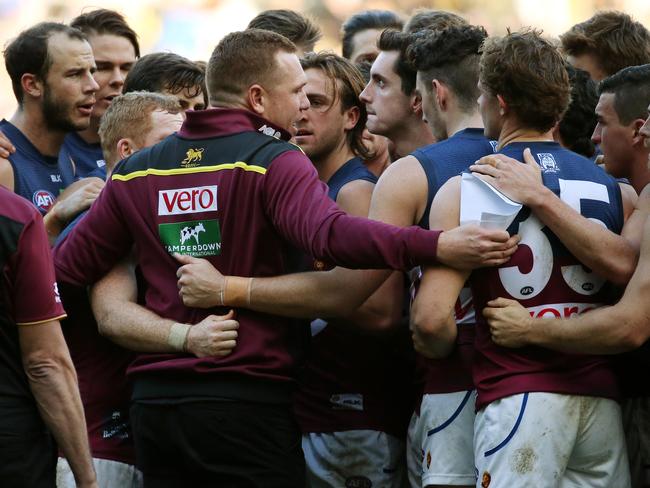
[126, 147]
[256, 98]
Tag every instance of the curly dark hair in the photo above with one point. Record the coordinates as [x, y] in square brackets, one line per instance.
[452, 56]
[528, 72]
[580, 120]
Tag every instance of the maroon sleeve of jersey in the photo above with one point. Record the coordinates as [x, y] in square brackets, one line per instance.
[35, 294]
[96, 243]
[297, 203]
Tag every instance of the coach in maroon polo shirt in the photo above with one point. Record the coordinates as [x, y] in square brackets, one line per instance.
[229, 188]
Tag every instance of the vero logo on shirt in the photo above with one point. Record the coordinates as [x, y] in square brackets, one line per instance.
[187, 200]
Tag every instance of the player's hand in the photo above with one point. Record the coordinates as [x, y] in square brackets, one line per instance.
[6, 147]
[510, 323]
[214, 336]
[520, 182]
[77, 198]
[471, 246]
[200, 285]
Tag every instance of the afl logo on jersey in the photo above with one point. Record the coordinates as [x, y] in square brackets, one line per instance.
[527, 290]
[358, 482]
[43, 200]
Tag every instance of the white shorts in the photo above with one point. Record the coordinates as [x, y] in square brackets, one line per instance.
[636, 421]
[110, 474]
[353, 458]
[551, 440]
[440, 441]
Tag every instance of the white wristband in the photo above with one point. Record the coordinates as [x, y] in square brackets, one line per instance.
[178, 336]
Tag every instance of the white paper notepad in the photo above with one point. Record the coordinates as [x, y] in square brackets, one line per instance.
[482, 204]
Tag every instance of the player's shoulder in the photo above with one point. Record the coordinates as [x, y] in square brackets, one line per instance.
[15, 208]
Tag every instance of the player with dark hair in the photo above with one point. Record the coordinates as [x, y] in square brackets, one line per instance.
[169, 74]
[294, 26]
[579, 121]
[447, 64]
[231, 189]
[51, 68]
[39, 398]
[361, 31]
[552, 416]
[394, 108]
[606, 43]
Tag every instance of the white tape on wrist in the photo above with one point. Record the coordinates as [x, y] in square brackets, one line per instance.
[177, 338]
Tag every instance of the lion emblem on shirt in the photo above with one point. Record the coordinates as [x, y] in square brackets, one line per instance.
[192, 157]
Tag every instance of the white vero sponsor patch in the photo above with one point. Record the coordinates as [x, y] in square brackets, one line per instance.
[187, 200]
[561, 310]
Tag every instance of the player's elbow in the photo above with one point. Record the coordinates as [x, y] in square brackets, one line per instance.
[635, 332]
[44, 367]
[433, 329]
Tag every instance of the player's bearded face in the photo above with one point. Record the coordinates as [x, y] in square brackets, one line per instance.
[57, 111]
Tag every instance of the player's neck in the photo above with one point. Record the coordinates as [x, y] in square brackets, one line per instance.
[91, 134]
[515, 133]
[31, 122]
[639, 176]
[461, 121]
[412, 136]
[331, 162]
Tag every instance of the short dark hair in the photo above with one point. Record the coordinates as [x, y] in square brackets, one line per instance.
[347, 86]
[579, 121]
[631, 89]
[242, 59]
[452, 56]
[425, 18]
[104, 21]
[528, 72]
[165, 71]
[366, 20]
[291, 24]
[394, 40]
[613, 38]
[29, 53]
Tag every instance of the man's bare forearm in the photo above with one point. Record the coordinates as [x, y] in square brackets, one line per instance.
[53, 381]
[315, 294]
[602, 331]
[611, 256]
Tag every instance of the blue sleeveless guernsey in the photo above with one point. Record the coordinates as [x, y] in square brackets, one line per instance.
[353, 170]
[86, 157]
[440, 162]
[37, 178]
[445, 159]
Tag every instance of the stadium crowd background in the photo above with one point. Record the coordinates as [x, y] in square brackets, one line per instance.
[192, 28]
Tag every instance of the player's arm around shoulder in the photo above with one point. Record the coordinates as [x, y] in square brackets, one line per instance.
[6, 174]
[432, 313]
